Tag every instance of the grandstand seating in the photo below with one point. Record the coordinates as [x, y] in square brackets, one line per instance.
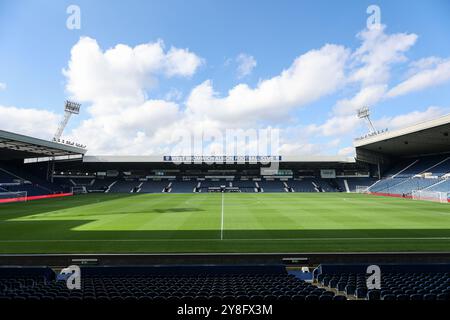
[354, 182]
[272, 186]
[323, 185]
[6, 177]
[14, 180]
[121, 186]
[406, 282]
[245, 186]
[183, 186]
[163, 283]
[398, 282]
[100, 185]
[443, 186]
[153, 186]
[408, 175]
[437, 165]
[217, 184]
[304, 185]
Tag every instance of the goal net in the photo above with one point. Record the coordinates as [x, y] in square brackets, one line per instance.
[362, 189]
[16, 196]
[435, 196]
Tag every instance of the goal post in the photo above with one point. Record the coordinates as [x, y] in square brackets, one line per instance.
[362, 189]
[436, 196]
[13, 196]
[79, 190]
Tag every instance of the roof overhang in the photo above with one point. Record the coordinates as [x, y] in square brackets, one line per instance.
[430, 137]
[17, 146]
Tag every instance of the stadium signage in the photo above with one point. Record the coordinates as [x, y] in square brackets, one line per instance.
[221, 159]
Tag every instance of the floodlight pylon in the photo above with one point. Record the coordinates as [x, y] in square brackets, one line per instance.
[364, 113]
[70, 108]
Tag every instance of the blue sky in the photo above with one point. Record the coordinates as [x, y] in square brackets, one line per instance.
[215, 40]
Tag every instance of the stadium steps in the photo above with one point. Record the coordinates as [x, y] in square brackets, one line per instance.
[36, 187]
[374, 184]
[406, 168]
[335, 291]
[389, 186]
[110, 186]
[434, 166]
[316, 187]
[347, 189]
[12, 174]
[435, 185]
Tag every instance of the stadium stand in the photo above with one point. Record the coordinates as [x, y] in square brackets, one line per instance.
[304, 185]
[183, 186]
[14, 180]
[153, 187]
[245, 186]
[418, 174]
[100, 185]
[272, 186]
[352, 183]
[398, 282]
[443, 186]
[206, 184]
[6, 177]
[407, 160]
[163, 283]
[121, 186]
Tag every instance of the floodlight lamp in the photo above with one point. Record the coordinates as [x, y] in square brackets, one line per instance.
[363, 112]
[72, 107]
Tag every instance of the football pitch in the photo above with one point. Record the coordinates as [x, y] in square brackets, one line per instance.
[224, 223]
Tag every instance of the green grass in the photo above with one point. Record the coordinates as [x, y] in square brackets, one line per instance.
[271, 222]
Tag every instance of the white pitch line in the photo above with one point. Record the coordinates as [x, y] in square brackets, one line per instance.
[208, 239]
[221, 221]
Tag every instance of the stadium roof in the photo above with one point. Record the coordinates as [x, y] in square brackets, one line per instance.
[17, 146]
[430, 137]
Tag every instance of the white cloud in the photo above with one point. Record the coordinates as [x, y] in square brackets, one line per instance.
[371, 66]
[2, 86]
[378, 52]
[126, 121]
[311, 76]
[131, 130]
[429, 72]
[173, 95]
[335, 126]
[122, 117]
[125, 126]
[411, 118]
[29, 121]
[121, 75]
[181, 62]
[246, 63]
[367, 96]
[114, 85]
